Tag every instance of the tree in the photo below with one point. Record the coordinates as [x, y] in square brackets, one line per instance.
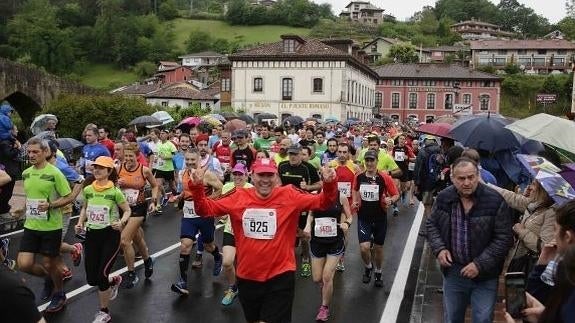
[168, 10]
[426, 20]
[518, 18]
[403, 53]
[512, 69]
[570, 7]
[552, 85]
[198, 41]
[145, 69]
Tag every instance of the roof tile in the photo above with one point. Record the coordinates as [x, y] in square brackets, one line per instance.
[431, 71]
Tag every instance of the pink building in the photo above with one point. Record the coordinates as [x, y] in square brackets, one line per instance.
[429, 91]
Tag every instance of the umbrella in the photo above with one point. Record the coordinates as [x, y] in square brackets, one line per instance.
[437, 129]
[548, 129]
[246, 118]
[263, 116]
[234, 125]
[556, 186]
[293, 120]
[45, 135]
[446, 119]
[536, 163]
[68, 143]
[229, 115]
[351, 121]
[190, 122]
[40, 122]
[163, 116]
[211, 120]
[219, 117]
[331, 119]
[568, 173]
[486, 132]
[145, 121]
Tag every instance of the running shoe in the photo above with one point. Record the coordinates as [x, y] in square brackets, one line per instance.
[180, 287]
[218, 265]
[340, 265]
[378, 280]
[115, 286]
[148, 267]
[322, 314]
[4, 244]
[197, 263]
[10, 263]
[229, 296]
[305, 269]
[158, 210]
[131, 280]
[67, 274]
[165, 201]
[395, 211]
[77, 254]
[367, 275]
[57, 302]
[48, 289]
[102, 317]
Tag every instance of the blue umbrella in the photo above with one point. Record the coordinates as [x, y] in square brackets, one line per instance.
[485, 132]
[556, 186]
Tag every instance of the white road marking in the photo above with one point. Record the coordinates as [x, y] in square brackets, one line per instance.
[22, 230]
[87, 287]
[395, 297]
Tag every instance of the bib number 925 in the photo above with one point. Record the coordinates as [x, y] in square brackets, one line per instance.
[259, 227]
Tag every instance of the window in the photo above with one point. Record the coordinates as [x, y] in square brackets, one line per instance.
[396, 82]
[484, 102]
[395, 100]
[164, 103]
[317, 85]
[413, 100]
[412, 82]
[226, 85]
[542, 52]
[487, 84]
[289, 45]
[448, 101]
[374, 48]
[502, 52]
[287, 89]
[429, 83]
[258, 84]
[378, 99]
[448, 83]
[430, 101]
[467, 99]
[561, 52]
[521, 51]
[469, 83]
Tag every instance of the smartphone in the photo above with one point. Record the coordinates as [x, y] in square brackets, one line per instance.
[515, 300]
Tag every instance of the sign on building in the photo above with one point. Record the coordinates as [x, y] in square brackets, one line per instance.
[546, 98]
[463, 109]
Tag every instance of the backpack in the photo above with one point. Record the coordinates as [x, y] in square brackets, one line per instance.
[434, 167]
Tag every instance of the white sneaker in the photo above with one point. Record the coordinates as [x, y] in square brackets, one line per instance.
[116, 281]
[102, 317]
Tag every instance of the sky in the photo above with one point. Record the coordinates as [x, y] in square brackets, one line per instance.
[554, 10]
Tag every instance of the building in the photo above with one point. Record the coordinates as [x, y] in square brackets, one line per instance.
[184, 94]
[174, 74]
[164, 65]
[207, 58]
[555, 34]
[445, 54]
[378, 48]
[475, 30]
[363, 12]
[428, 91]
[303, 77]
[533, 56]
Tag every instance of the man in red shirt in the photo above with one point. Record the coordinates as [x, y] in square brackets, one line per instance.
[103, 134]
[223, 152]
[264, 220]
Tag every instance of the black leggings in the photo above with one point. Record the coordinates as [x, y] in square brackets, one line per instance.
[100, 250]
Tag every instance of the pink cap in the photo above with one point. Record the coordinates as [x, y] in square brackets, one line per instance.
[240, 168]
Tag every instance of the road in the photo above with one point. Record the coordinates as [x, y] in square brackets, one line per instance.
[153, 301]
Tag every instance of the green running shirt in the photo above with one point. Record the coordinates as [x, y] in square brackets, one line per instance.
[102, 207]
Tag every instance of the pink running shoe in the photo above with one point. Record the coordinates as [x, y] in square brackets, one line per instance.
[322, 314]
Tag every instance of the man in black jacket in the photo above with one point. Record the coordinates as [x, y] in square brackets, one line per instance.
[470, 232]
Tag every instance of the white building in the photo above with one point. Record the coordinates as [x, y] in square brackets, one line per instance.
[303, 77]
[184, 94]
[207, 58]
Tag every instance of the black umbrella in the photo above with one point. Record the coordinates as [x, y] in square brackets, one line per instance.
[262, 116]
[229, 115]
[145, 121]
[293, 120]
[69, 143]
[246, 118]
[485, 132]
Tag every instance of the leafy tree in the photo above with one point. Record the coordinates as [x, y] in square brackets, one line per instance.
[403, 53]
[460, 10]
[487, 69]
[198, 41]
[168, 10]
[145, 69]
[567, 26]
[237, 10]
[426, 20]
[512, 69]
[552, 85]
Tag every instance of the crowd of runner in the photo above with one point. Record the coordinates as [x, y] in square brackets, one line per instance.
[248, 179]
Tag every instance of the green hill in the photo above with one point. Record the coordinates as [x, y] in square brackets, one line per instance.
[245, 34]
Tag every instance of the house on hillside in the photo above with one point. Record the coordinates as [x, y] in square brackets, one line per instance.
[174, 74]
[184, 94]
[378, 48]
[536, 56]
[445, 54]
[164, 65]
[363, 12]
[428, 91]
[207, 58]
[303, 77]
[476, 30]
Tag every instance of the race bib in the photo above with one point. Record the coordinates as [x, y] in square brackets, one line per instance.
[325, 227]
[189, 211]
[131, 195]
[411, 166]
[98, 214]
[399, 156]
[160, 162]
[32, 211]
[344, 188]
[259, 223]
[369, 192]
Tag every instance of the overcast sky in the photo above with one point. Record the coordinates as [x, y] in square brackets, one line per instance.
[554, 10]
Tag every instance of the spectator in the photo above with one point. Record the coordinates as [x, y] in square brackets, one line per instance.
[486, 175]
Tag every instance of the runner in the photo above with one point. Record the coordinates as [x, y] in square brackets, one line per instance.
[264, 220]
[403, 155]
[132, 179]
[327, 247]
[346, 170]
[164, 167]
[100, 219]
[373, 193]
[243, 153]
[91, 150]
[240, 179]
[264, 141]
[46, 190]
[192, 223]
[223, 152]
